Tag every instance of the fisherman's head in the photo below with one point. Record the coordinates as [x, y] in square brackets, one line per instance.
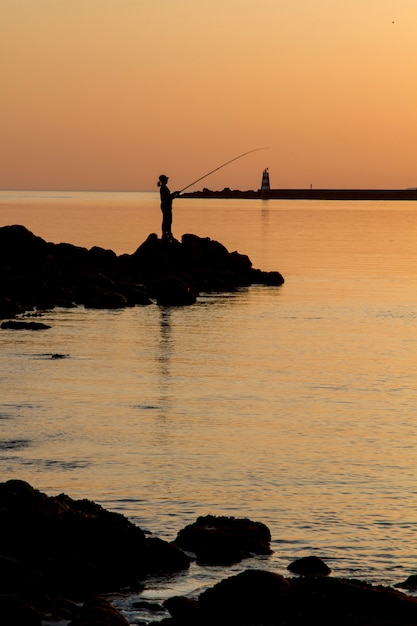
[162, 180]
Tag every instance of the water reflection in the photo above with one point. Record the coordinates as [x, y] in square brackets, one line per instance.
[164, 355]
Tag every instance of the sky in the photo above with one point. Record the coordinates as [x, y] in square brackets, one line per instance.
[109, 94]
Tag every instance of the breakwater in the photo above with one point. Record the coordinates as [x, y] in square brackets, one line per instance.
[308, 194]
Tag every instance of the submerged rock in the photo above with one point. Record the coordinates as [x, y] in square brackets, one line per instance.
[37, 274]
[18, 325]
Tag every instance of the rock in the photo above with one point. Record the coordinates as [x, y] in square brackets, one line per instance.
[76, 546]
[68, 257]
[102, 259]
[309, 566]
[224, 540]
[18, 579]
[165, 557]
[409, 583]
[16, 612]
[106, 300]
[251, 597]
[9, 307]
[55, 551]
[20, 249]
[259, 277]
[18, 325]
[329, 601]
[184, 610]
[97, 611]
[134, 293]
[27, 288]
[37, 274]
[261, 598]
[172, 291]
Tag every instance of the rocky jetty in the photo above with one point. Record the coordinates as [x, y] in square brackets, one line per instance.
[307, 194]
[59, 555]
[35, 274]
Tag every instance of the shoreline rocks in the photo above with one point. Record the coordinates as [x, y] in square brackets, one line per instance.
[59, 555]
[35, 274]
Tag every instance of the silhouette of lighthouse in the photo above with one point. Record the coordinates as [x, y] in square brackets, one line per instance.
[265, 186]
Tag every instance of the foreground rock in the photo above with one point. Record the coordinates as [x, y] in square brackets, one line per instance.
[42, 275]
[56, 547]
[256, 597]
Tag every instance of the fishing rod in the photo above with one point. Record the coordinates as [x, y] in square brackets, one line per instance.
[220, 167]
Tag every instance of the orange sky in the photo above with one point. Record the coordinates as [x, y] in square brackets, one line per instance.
[108, 94]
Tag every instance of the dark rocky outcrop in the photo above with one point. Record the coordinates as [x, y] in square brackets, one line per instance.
[219, 540]
[42, 275]
[54, 547]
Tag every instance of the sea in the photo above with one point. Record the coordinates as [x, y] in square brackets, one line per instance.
[295, 406]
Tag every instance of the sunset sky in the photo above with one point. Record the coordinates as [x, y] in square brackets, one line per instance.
[108, 94]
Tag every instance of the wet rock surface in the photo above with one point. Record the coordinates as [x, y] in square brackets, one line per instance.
[42, 275]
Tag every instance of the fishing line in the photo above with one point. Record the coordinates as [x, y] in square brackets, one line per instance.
[220, 167]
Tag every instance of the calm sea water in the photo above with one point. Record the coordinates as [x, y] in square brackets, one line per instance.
[295, 406]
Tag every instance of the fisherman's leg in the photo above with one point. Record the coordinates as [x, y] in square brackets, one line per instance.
[165, 227]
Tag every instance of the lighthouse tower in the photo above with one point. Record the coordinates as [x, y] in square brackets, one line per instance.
[265, 186]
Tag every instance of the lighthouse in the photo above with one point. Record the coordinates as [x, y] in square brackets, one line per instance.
[265, 186]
